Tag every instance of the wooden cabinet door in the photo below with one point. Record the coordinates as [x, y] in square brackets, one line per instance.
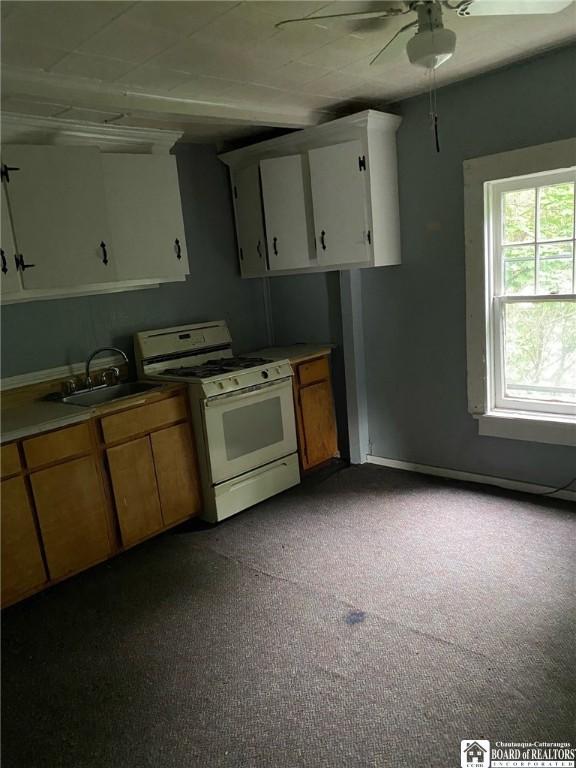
[22, 565]
[249, 221]
[339, 196]
[287, 211]
[135, 490]
[145, 216]
[318, 423]
[10, 283]
[71, 511]
[59, 215]
[176, 473]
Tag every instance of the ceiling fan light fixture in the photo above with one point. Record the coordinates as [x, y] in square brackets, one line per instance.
[431, 48]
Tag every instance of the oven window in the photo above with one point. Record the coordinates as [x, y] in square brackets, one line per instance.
[250, 428]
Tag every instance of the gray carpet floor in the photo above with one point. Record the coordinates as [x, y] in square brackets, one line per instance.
[366, 618]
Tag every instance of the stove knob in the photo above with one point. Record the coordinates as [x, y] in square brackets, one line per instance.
[235, 381]
[221, 384]
[264, 374]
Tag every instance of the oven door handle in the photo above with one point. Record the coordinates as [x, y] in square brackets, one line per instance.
[217, 400]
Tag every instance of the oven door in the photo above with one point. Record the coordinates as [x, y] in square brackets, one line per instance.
[247, 429]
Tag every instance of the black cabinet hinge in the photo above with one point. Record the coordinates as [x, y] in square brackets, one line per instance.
[5, 172]
[21, 265]
[235, 192]
[241, 255]
[369, 237]
[362, 163]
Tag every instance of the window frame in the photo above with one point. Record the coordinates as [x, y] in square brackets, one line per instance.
[524, 424]
[498, 299]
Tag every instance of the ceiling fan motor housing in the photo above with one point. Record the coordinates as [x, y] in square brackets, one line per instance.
[431, 47]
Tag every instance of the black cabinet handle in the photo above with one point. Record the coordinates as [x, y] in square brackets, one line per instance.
[259, 249]
[241, 255]
[4, 267]
[275, 246]
[178, 249]
[323, 240]
[21, 264]
[104, 253]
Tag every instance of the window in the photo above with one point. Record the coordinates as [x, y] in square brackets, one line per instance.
[532, 294]
[521, 292]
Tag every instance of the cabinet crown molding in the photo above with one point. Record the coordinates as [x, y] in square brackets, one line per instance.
[32, 129]
[343, 129]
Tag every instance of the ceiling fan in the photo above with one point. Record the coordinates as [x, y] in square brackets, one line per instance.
[433, 44]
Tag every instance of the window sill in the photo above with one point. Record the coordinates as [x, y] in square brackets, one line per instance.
[533, 427]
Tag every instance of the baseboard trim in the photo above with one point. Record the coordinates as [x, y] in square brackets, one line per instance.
[455, 474]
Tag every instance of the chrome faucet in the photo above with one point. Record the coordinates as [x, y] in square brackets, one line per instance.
[97, 352]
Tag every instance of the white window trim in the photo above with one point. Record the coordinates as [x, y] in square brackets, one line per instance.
[536, 427]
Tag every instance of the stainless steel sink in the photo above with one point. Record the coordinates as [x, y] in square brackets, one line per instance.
[107, 394]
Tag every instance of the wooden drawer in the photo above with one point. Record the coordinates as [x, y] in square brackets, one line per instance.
[56, 446]
[314, 370]
[9, 460]
[138, 421]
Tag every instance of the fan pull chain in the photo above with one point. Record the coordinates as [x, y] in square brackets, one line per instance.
[432, 91]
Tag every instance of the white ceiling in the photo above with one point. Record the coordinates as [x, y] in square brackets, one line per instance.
[221, 70]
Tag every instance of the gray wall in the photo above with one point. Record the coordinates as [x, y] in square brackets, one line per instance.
[306, 308]
[414, 314]
[45, 334]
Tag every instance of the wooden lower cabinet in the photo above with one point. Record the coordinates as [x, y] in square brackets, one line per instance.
[71, 510]
[318, 423]
[57, 513]
[22, 565]
[154, 481]
[315, 417]
[135, 490]
[176, 474]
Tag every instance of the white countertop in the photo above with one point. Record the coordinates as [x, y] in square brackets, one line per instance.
[295, 353]
[39, 416]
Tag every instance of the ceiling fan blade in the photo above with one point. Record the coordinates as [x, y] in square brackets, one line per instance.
[510, 7]
[358, 15]
[396, 44]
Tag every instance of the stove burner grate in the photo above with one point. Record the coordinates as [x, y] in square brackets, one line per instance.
[217, 367]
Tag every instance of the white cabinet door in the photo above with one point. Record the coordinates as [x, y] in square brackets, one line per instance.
[249, 221]
[10, 283]
[339, 197]
[59, 215]
[145, 217]
[287, 212]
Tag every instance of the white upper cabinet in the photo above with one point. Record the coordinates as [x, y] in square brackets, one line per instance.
[329, 194]
[9, 274]
[59, 215]
[286, 212]
[145, 217]
[339, 199]
[252, 251]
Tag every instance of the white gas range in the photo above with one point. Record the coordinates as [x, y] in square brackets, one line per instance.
[242, 410]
